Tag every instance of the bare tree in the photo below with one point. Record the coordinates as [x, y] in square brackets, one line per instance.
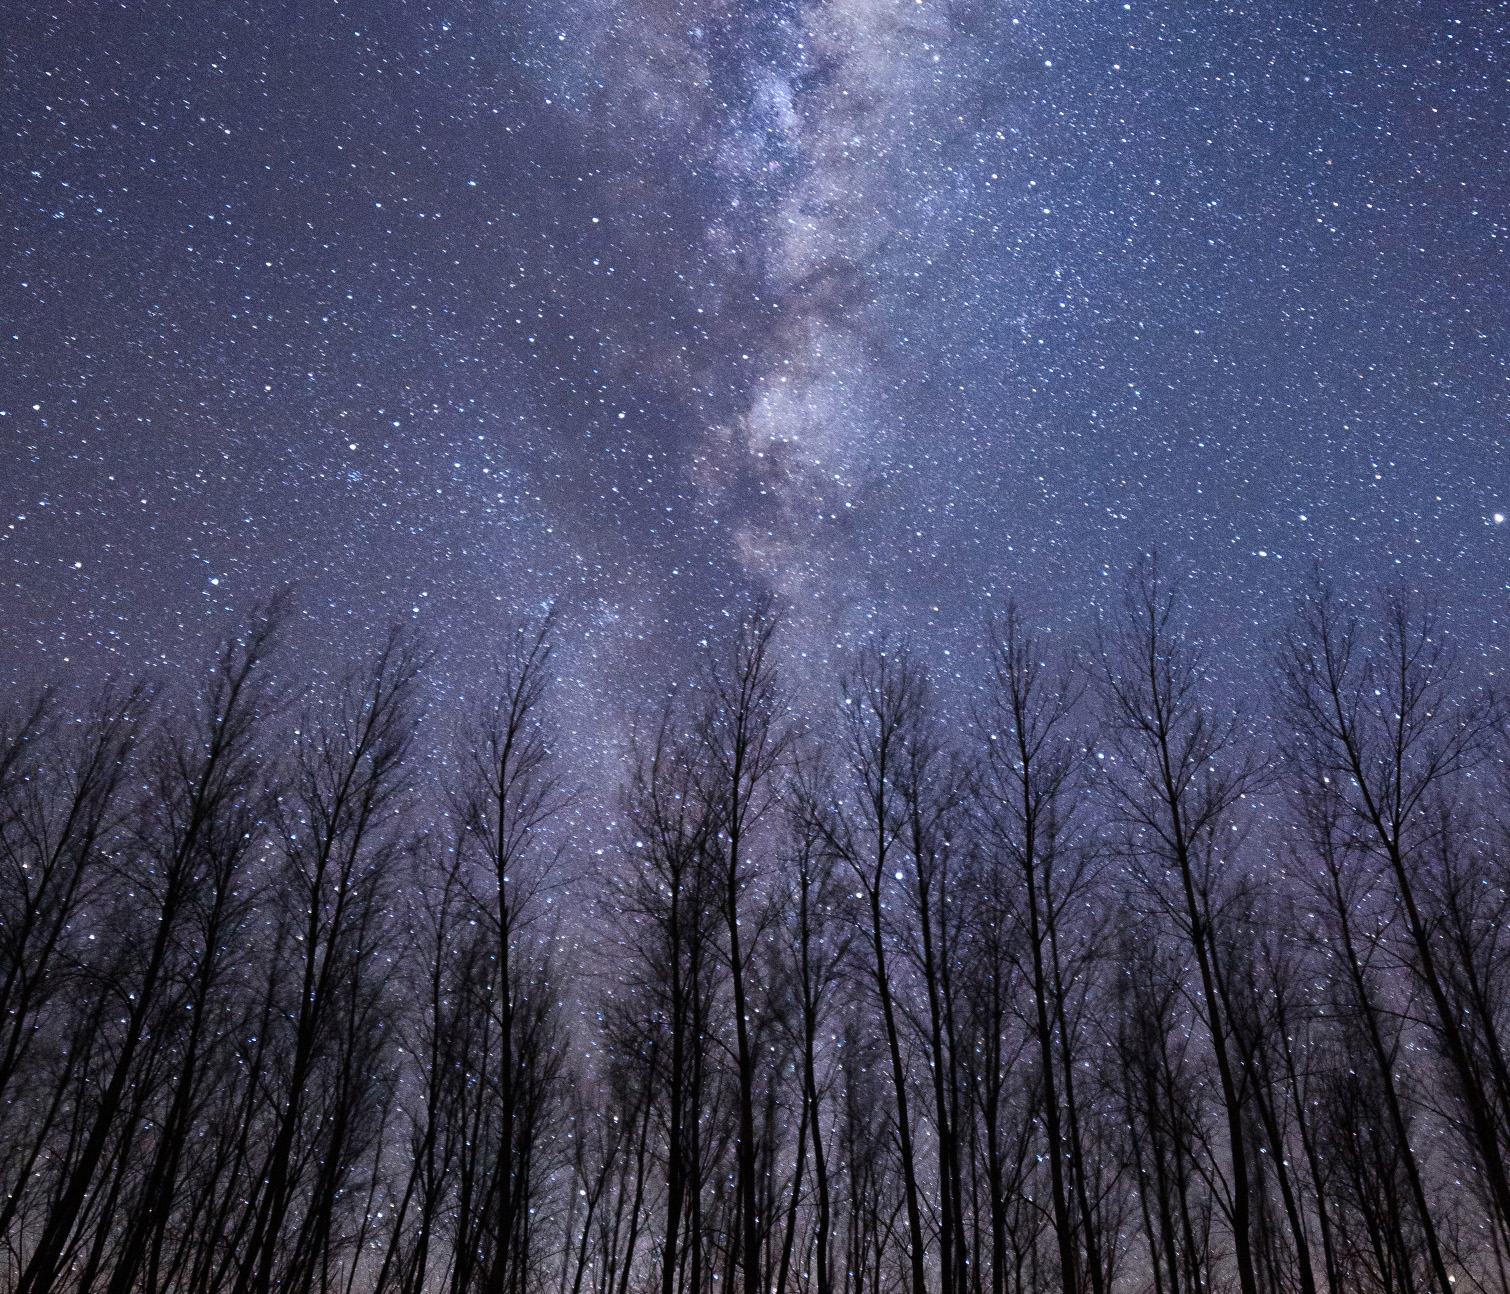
[933, 789]
[61, 798]
[817, 937]
[884, 713]
[1033, 767]
[1176, 780]
[1160, 1094]
[217, 899]
[508, 793]
[216, 771]
[340, 844]
[1384, 729]
[744, 737]
[668, 904]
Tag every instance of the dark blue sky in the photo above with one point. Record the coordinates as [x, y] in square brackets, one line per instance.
[890, 308]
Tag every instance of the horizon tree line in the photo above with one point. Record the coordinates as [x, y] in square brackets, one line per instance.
[1065, 978]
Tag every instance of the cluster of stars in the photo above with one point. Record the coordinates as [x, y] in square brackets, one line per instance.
[444, 320]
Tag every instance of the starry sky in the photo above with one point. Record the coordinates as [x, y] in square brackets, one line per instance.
[890, 308]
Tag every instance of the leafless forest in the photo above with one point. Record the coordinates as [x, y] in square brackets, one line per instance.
[1062, 977]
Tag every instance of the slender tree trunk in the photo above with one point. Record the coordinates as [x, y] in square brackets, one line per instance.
[899, 1086]
[794, 1204]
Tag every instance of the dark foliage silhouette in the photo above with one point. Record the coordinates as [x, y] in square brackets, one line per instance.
[1061, 976]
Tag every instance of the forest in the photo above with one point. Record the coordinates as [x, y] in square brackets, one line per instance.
[1058, 975]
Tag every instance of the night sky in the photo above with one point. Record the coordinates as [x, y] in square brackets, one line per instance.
[892, 309]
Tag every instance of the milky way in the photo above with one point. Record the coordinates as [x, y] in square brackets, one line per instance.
[890, 309]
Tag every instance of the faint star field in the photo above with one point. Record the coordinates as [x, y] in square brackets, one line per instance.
[891, 309]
